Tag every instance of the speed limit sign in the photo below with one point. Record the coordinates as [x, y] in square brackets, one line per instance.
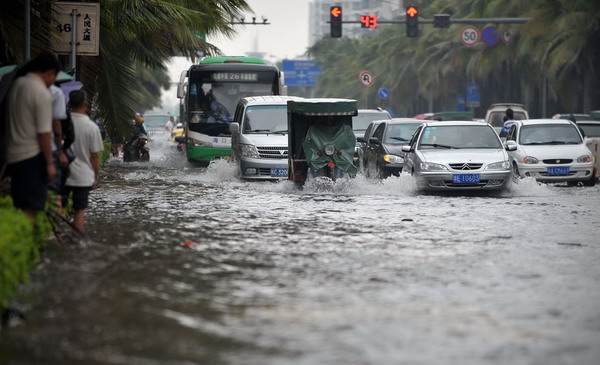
[470, 36]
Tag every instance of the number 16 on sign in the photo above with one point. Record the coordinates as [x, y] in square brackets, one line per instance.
[470, 36]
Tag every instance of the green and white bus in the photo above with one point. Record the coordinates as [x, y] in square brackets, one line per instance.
[210, 92]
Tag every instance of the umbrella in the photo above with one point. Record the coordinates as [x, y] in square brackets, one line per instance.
[62, 76]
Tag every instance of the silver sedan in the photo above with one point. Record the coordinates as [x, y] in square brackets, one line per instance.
[457, 155]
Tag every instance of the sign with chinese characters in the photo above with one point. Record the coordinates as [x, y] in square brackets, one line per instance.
[235, 76]
[88, 27]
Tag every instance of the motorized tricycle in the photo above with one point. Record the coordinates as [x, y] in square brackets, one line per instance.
[320, 139]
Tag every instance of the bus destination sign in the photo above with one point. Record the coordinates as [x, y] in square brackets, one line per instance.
[235, 76]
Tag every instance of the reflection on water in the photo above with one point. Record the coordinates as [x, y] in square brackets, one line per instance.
[193, 266]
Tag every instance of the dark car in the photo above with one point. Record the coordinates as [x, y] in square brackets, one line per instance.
[384, 156]
[361, 142]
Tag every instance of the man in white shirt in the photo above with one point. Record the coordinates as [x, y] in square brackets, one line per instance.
[170, 124]
[84, 169]
[29, 134]
[59, 112]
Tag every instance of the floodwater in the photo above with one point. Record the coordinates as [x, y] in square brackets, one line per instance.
[193, 266]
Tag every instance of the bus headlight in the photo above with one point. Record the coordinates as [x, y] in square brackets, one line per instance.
[198, 143]
[249, 150]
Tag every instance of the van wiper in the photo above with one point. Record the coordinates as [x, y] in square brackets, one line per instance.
[399, 139]
[280, 132]
[438, 145]
[259, 131]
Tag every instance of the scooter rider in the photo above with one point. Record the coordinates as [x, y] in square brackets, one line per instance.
[138, 130]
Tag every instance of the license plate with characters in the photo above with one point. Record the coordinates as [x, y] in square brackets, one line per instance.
[559, 171]
[279, 172]
[465, 178]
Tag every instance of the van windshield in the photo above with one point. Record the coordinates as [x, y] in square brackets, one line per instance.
[265, 119]
[496, 118]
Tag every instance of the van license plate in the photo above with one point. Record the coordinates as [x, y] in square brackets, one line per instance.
[559, 171]
[279, 172]
[465, 178]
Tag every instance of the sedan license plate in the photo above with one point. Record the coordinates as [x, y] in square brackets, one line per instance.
[559, 171]
[279, 172]
[465, 178]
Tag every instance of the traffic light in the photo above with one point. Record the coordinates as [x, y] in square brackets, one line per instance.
[441, 20]
[412, 21]
[335, 20]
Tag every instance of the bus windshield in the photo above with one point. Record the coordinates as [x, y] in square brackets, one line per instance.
[213, 95]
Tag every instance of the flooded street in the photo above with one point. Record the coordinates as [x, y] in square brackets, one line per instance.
[192, 266]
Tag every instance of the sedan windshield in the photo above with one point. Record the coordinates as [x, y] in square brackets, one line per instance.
[590, 130]
[549, 134]
[459, 136]
[265, 119]
[400, 133]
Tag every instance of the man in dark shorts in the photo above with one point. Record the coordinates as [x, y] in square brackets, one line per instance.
[84, 169]
[29, 133]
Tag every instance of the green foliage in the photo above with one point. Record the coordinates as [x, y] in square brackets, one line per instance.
[105, 154]
[20, 246]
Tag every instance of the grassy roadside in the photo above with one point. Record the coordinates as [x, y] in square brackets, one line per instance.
[20, 244]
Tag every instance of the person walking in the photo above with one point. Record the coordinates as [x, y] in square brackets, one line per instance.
[170, 124]
[29, 134]
[85, 168]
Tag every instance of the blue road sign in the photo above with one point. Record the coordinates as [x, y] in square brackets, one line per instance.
[472, 96]
[489, 36]
[383, 93]
[300, 72]
[460, 103]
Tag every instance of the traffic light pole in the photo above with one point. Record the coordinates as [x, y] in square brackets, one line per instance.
[452, 21]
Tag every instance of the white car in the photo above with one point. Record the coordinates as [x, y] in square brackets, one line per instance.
[550, 150]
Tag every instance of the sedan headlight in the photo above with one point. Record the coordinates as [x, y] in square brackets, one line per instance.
[393, 159]
[529, 160]
[584, 158]
[430, 166]
[500, 165]
[249, 150]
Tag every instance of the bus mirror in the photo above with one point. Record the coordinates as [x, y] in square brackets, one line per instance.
[234, 128]
[180, 91]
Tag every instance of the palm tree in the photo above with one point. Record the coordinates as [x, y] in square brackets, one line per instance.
[132, 32]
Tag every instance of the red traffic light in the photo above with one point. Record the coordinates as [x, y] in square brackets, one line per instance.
[336, 11]
[412, 11]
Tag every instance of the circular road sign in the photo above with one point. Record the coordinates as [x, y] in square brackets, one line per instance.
[489, 36]
[366, 78]
[470, 36]
[383, 93]
[507, 36]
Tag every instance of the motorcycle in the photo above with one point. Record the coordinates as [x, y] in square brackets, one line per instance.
[137, 150]
[321, 140]
[180, 140]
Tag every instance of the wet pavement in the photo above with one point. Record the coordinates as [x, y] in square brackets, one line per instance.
[193, 266]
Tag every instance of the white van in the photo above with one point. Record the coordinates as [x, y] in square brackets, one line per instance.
[496, 112]
[259, 137]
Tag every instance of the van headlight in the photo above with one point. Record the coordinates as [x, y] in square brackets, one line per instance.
[249, 150]
[584, 159]
[500, 165]
[393, 159]
[430, 166]
[530, 160]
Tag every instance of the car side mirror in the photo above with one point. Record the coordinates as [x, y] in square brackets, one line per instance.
[406, 148]
[374, 140]
[361, 139]
[234, 128]
[510, 146]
